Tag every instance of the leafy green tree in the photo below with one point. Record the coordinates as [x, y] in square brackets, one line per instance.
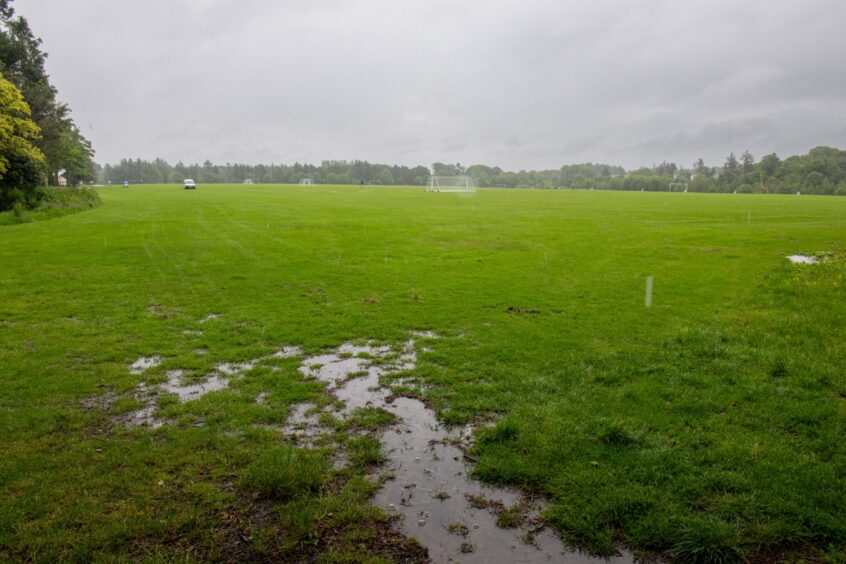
[703, 183]
[209, 173]
[747, 161]
[731, 163]
[385, 177]
[729, 174]
[814, 182]
[76, 157]
[666, 169]
[699, 169]
[774, 185]
[769, 166]
[22, 63]
[21, 162]
[441, 169]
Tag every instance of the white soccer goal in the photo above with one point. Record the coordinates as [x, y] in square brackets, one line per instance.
[451, 184]
[678, 186]
[307, 181]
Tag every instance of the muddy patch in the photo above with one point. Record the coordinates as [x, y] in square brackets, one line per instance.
[303, 425]
[101, 402]
[425, 334]
[187, 392]
[424, 481]
[187, 389]
[144, 363]
[145, 415]
[522, 310]
[158, 310]
[288, 352]
[235, 368]
[176, 384]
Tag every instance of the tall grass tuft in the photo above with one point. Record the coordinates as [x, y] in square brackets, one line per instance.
[708, 540]
[286, 471]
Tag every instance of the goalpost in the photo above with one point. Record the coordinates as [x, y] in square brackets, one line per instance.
[306, 182]
[678, 186]
[451, 184]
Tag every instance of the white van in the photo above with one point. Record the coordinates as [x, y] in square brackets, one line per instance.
[189, 184]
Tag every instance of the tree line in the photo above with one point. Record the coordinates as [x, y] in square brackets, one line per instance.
[328, 172]
[39, 141]
[821, 171]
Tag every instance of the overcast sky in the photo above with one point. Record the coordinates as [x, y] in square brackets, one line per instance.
[519, 84]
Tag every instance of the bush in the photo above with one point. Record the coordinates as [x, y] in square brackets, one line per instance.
[69, 198]
[47, 203]
[19, 185]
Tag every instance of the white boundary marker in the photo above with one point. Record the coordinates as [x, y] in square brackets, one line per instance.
[648, 291]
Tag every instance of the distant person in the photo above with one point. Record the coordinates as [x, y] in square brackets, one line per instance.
[126, 183]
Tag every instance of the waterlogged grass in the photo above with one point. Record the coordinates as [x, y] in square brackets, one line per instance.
[706, 428]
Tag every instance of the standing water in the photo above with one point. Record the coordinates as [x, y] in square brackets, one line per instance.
[452, 515]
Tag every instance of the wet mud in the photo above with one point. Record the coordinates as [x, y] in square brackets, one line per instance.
[424, 478]
[215, 381]
[143, 364]
[185, 391]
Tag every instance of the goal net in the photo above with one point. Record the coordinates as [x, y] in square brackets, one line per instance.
[307, 181]
[678, 186]
[451, 184]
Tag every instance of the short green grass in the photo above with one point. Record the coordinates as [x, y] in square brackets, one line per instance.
[708, 427]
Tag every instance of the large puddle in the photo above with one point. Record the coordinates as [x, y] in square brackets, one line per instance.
[424, 477]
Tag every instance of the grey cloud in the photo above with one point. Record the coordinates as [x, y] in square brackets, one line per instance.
[532, 84]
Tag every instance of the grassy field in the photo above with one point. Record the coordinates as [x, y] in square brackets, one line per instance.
[709, 427]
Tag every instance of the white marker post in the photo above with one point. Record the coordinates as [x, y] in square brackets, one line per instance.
[648, 291]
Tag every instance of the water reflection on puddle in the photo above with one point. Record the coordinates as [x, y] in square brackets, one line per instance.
[428, 484]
